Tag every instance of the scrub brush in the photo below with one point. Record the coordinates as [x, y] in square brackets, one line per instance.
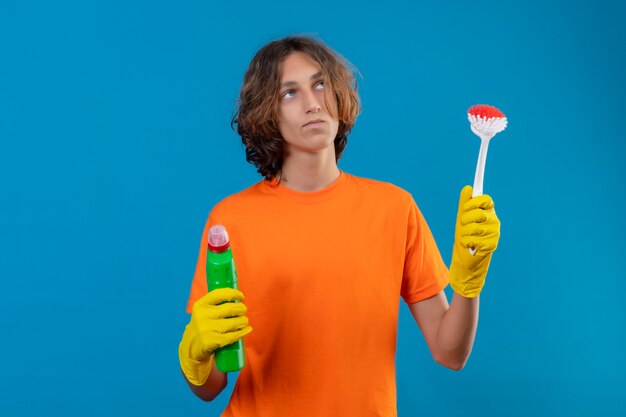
[485, 122]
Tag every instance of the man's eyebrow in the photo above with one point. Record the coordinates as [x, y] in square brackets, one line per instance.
[293, 83]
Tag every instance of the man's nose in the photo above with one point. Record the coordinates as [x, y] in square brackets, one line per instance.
[313, 103]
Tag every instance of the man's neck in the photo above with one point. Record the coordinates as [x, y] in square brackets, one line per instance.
[308, 173]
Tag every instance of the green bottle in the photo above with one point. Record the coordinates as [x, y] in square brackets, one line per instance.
[221, 273]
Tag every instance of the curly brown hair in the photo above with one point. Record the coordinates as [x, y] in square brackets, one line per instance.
[256, 113]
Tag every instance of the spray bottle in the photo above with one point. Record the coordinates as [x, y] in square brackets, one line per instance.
[222, 273]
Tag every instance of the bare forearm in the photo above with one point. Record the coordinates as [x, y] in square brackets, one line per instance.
[457, 331]
[215, 383]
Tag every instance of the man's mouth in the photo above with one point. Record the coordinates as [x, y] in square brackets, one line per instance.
[315, 122]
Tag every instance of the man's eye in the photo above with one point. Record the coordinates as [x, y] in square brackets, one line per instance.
[285, 94]
[320, 83]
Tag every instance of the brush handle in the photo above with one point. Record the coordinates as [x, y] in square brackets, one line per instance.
[480, 173]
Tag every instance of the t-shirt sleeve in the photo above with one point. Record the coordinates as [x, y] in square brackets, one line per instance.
[198, 284]
[425, 274]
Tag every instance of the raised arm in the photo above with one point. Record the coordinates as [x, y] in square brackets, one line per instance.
[450, 330]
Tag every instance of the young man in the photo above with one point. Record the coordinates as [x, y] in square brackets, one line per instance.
[323, 257]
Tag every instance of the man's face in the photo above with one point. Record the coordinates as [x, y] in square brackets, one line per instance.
[302, 99]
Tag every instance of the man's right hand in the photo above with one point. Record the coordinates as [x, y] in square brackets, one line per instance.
[216, 321]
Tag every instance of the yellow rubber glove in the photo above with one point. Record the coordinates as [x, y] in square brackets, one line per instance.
[212, 326]
[477, 226]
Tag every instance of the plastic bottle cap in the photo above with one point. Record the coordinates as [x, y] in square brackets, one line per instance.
[218, 238]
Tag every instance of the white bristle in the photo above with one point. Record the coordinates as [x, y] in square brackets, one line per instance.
[487, 126]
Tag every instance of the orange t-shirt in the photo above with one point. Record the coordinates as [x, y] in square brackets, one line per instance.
[322, 273]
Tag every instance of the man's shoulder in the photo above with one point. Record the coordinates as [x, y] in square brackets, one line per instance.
[244, 198]
[381, 189]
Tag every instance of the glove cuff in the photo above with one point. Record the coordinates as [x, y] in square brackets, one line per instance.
[466, 283]
[197, 372]
[466, 290]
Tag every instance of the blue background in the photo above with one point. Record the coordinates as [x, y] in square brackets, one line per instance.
[115, 145]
